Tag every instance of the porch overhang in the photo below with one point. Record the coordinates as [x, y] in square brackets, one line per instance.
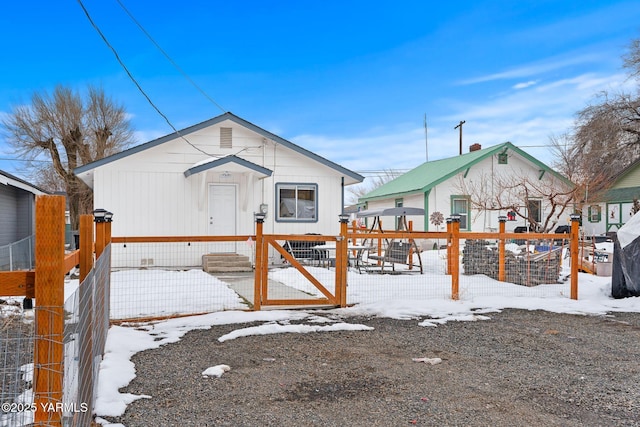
[228, 164]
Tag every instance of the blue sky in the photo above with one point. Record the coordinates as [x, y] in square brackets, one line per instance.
[349, 80]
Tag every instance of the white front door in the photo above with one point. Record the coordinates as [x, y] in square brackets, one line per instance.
[222, 214]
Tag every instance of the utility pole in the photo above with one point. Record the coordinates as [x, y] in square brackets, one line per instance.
[460, 126]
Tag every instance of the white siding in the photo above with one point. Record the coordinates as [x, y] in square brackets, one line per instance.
[150, 196]
[486, 172]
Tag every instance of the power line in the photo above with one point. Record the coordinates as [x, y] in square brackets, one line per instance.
[104, 38]
[166, 55]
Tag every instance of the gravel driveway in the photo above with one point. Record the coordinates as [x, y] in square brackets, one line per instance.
[519, 368]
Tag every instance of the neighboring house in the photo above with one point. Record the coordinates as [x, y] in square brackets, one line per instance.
[449, 186]
[17, 208]
[211, 178]
[612, 210]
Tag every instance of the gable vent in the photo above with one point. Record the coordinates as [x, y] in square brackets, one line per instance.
[225, 138]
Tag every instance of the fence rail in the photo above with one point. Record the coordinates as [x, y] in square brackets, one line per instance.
[151, 286]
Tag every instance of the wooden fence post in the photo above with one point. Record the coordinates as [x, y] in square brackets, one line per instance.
[86, 313]
[575, 256]
[100, 234]
[342, 262]
[455, 257]
[257, 287]
[502, 220]
[49, 314]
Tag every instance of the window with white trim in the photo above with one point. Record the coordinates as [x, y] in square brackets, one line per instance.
[460, 206]
[297, 202]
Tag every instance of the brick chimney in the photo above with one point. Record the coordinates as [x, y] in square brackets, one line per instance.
[475, 147]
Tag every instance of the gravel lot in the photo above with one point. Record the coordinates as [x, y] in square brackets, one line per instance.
[518, 368]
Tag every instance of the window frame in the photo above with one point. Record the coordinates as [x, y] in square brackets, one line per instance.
[539, 209]
[595, 213]
[466, 215]
[297, 186]
[399, 203]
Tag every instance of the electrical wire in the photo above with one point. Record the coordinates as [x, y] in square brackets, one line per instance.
[133, 79]
[166, 55]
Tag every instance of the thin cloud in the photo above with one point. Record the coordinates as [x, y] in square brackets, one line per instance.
[527, 118]
[525, 85]
[533, 69]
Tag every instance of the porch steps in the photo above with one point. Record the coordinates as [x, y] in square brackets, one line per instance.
[226, 263]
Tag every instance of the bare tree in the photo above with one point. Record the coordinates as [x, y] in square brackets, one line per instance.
[70, 131]
[632, 58]
[606, 134]
[513, 193]
[577, 166]
[359, 190]
[605, 138]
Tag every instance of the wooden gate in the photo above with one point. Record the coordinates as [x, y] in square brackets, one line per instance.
[330, 297]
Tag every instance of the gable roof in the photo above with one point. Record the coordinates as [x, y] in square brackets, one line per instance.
[233, 161]
[430, 174]
[8, 179]
[226, 116]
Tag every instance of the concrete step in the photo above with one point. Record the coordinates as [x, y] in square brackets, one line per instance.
[226, 262]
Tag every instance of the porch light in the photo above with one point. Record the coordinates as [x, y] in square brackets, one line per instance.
[259, 216]
[344, 217]
[99, 215]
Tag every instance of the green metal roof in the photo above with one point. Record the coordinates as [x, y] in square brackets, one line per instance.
[622, 194]
[430, 174]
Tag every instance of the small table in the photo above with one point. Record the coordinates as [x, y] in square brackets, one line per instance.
[351, 248]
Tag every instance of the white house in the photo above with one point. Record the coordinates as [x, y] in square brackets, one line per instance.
[609, 211]
[461, 184]
[211, 178]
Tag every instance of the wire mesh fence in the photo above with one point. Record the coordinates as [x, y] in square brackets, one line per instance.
[16, 370]
[532, 268]
[422, 276]
[85, 333]
[60, 387]
[303, 270]
[18, 255]
[166, 279]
